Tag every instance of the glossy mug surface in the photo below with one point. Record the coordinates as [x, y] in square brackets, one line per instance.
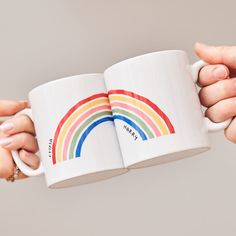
[75, 131]
[141, 112]
[156, 108]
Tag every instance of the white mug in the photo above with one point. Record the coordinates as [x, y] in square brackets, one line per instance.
[152, 99]
[156, 108]
[75, 132]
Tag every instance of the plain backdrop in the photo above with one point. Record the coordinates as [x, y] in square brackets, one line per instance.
[48, 39]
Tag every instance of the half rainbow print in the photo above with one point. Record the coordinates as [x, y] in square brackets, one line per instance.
[76, 125]
[140, 113]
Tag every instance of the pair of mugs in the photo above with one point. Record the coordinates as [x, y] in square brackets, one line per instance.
[141, 112]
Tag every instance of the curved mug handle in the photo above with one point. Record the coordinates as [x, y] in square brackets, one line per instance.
[22, 166]
[211, 126]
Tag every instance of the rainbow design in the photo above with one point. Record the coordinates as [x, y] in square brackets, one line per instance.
[76, 125]
[140, 113]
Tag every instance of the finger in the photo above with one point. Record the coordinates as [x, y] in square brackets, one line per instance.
[18, 124]
[217, 55]
[30, 159]
[230, 131]
[6, 163]
[20, 141]
[212, 73]
[222, 110]
[220, 90]
[9, 108]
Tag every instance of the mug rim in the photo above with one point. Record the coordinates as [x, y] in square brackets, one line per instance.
[61, 80]
[144, 55]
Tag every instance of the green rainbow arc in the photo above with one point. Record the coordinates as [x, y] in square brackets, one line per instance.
[135, 118]
[82, 128]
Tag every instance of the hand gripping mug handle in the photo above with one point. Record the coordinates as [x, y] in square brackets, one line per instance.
[15, 154]
[211, 126]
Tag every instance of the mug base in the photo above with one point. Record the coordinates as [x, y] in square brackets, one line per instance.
[88, 178]
[170, 157]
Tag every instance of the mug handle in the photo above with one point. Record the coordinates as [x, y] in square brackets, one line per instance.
[211, 126]
[15, 154]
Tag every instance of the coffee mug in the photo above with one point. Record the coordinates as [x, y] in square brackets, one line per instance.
[75, 132]
[143, 111]
[156, 108]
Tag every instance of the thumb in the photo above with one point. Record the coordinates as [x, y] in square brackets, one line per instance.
[9, 108]
[217, 55]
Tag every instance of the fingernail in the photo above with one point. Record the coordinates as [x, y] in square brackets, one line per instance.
[25, 153]
[5, 141]
[220, 72]
[6, 127]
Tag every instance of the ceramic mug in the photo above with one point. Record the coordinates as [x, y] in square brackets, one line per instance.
[156, 108]
[153, 101]
[75, 132]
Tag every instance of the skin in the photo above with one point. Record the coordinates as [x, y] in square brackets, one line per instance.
[218, 94]
[218, 81]
[22, 136]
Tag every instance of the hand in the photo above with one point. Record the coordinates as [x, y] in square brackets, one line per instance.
[16, 133]
[218, 81]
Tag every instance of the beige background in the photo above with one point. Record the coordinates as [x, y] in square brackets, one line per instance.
[48, 39]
